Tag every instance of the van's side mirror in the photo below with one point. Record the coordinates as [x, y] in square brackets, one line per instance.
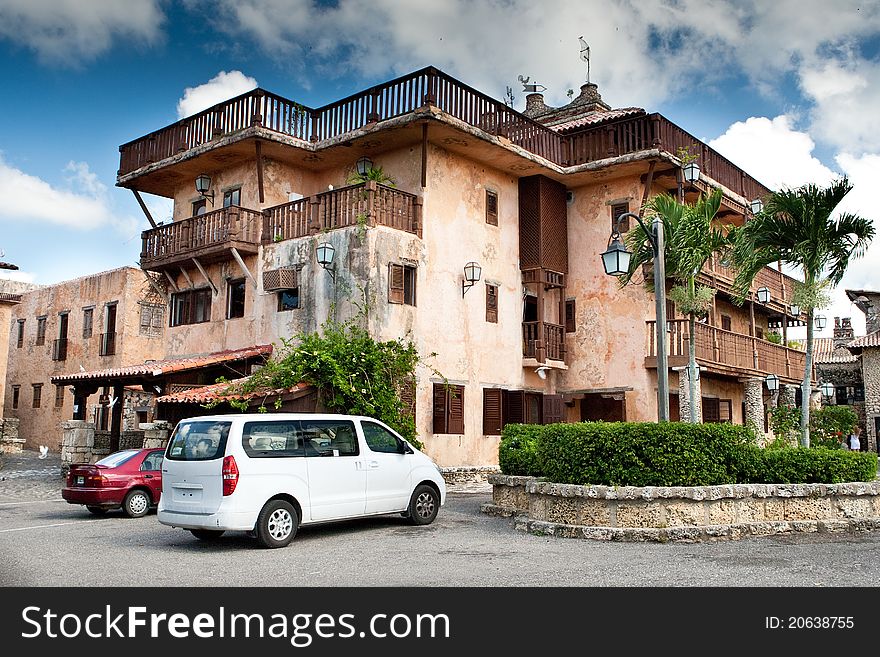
[404, 448]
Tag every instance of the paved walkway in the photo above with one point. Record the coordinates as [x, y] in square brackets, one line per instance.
[26, 476]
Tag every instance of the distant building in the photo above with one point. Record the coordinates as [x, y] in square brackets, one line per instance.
[99, 321]
[867, 349]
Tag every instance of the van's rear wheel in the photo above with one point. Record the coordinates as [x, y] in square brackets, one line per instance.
[207, 534]
[423, 505]
[276, 524]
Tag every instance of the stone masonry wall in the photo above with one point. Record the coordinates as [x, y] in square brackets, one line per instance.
[684, 513]
[871, 374]
[10, 443]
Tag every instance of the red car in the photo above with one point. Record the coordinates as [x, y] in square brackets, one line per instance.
[131, 479]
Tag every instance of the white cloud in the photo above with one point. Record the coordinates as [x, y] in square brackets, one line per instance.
[643, 52]
[222, 86]
[17, 276]
[846, 93]
[68, 31]
[84, 204]
[773, 152]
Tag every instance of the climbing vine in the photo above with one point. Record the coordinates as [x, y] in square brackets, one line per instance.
[353, 373]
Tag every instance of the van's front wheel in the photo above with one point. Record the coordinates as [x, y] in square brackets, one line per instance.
[276, 524]
[423, 505]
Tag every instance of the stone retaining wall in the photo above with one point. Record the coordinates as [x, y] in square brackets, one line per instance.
[10, 443]
[464, 475]
[683, 513]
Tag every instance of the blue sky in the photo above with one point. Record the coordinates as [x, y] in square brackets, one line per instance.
[788, 89]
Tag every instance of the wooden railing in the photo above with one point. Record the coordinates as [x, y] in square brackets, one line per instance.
[781, 285]
[214, 228]
[543, 341]
[715, 346]
[430, 86]
[365, 204]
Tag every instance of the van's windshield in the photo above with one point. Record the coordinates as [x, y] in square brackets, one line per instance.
[198, 440]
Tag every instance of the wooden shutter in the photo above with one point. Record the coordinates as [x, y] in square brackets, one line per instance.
[492, 303]
[408, 396]
[439, 408]
[725, 322]
[711, 409]
[492, 411]
[553, 409]
[395, 283]
[491, 207]
[725, 410]
[569, 316]
[455, 423]
[616, 211]
[513, 407]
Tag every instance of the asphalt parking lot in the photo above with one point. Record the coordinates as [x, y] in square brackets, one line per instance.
[46, 542]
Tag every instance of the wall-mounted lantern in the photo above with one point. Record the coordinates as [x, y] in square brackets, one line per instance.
[363, 165]
[763, 295]
[820, 321]
[756, 206]
[691, 172]
[472, 272]
[325, 254]
[203, 184]
[827, 390]
[772, 382]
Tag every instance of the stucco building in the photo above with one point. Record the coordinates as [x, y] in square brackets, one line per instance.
[99, 321]
[540, 335]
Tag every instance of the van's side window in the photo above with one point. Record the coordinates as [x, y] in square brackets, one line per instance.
[272, 439]
[380, 439]
[329, 438]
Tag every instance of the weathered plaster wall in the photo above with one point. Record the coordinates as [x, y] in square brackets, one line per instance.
[33, 363]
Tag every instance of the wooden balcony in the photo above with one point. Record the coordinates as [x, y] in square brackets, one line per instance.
[725, 352]
[406, 94]
[781, 288]
[209, 237]
[366, 204]
[543, 341]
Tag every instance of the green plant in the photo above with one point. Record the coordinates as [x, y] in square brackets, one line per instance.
[278, 238]
[830, 425]
[784, 422]
[796, 228]
[684, 154]
[352, 372]
[374, 173]
[794, 344]
[518, 450]
[773, 336]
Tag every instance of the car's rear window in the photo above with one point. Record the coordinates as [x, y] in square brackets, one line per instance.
[198, 440]
[117, 458]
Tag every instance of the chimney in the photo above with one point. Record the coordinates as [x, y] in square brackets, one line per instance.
[843, 331]
[590, 99]
[535, 105]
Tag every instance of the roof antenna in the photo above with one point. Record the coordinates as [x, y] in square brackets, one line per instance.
[585, 55]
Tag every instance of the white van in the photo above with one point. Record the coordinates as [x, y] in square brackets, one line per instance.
[269, 473]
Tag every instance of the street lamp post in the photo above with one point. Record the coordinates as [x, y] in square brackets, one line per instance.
[616, 261]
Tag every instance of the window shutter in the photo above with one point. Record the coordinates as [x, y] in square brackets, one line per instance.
[711, 409]
[456, 410]
[725, 410]
[569, 316]
[408, 396]
[512, 411]
[492, 303]
[725, 322]
[491, 208]
[552, 409]
[616, 211]
[395, 283]
[439, 408]
[492, 411]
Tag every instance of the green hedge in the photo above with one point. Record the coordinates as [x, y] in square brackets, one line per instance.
[518, 451]
[670, 454]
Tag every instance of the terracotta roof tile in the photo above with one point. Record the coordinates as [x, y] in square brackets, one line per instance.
[8, 265]
[595, 118]
[160, 367]
[870, 340]
[214, 392]
[824, 351]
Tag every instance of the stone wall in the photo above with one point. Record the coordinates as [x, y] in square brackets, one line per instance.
[684, 513]
[131, 440]
[10, 443]
[156, 433]
[77, 443]
[871, 375]
[463, 476]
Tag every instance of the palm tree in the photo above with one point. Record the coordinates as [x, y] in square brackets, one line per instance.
[692, 236]
[796, 228]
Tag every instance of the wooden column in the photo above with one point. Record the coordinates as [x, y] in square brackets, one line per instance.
[116, 418]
